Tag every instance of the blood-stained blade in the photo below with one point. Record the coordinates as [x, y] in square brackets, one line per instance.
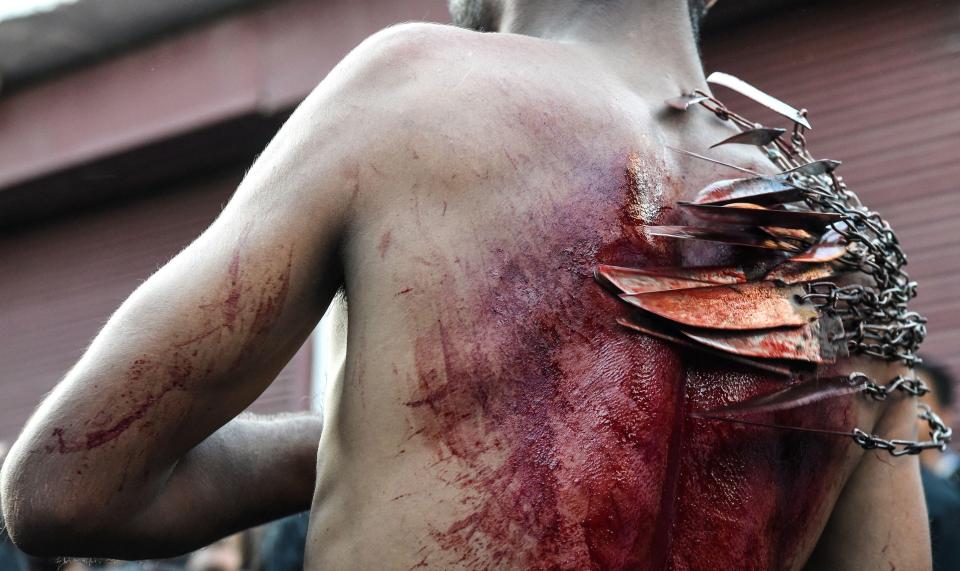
[758, 190]
[759, 137]
[799, 395]
[633, 281]
[790, 273]
[684, 102]
[639, 326]
[753, 215]
[831, 247]
[760, 305]
[714, 274]
[732, 237]
[816, 168]
[768, 101]
[641, 280]
[811, 342]
[788, 234]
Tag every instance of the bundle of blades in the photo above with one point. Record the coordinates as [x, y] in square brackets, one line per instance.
[830, 283]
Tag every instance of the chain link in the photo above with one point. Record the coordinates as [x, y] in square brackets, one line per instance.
[876, 321]
[940, 435]
[911, 386]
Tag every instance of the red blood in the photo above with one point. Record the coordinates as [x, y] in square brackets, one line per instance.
[150, 380]
[384, 243]
[569, 437]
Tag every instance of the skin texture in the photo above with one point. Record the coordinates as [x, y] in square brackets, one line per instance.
[491, 413]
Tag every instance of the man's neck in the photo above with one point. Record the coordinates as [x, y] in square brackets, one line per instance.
[649, 43]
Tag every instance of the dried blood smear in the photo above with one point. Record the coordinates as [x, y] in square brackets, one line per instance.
[150, 379]
[569, 437]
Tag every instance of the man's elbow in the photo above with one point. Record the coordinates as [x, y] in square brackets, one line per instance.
[42, 531]
[39, 522]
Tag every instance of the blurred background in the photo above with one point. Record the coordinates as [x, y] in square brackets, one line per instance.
[125, 126]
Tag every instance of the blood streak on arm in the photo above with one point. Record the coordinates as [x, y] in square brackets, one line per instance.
[151, 377]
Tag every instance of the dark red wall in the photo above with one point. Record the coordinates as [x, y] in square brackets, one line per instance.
[881, 80]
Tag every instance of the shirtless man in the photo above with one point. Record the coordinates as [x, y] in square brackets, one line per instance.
[462, 187]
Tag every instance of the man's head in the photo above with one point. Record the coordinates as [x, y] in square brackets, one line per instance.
[483, 15]
[480, 15]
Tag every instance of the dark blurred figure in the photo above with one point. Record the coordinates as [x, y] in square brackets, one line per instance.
[10, 557]
[940, 472]
[283, 544]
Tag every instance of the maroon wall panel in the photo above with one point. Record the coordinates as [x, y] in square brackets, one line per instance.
[63, 279]
[881, 80]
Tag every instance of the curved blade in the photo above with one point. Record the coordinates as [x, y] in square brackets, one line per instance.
[759, 190]
[684, 102]
[790, 273]
[733, 237]
[759, 137]
[810, 342]
[714, 274]
[831, 246]
[753, 215]
[637, 325]
[768, 101]
[761, 305]
[788, 234]
[634, 281]
[816, 168]
[789, 398]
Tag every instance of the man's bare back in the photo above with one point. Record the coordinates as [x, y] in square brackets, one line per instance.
[492, 414]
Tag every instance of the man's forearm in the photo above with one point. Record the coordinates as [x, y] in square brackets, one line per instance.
[252, 470]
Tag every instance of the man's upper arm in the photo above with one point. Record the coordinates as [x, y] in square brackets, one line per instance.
[880, 518]
[207, 333]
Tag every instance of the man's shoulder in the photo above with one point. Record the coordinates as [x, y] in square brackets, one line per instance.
[436, 69]
[448, 91]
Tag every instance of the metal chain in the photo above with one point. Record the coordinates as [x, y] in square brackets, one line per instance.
[940, 435]
[876, 321]
[913, 387]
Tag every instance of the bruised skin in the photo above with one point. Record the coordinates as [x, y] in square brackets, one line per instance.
[569, 437]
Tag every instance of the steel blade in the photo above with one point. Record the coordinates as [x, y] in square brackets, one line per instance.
[760, 190]
[684, 102]
[639, 326]
[759, 305]
[732, 237]
[831, 247]
[751, 92]
[714, 274]
[634, 281]
[753, 215]
[810, 342]
[799, 395]
[790, 234]
[759, 137]
[790, 273]
[816, 168]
